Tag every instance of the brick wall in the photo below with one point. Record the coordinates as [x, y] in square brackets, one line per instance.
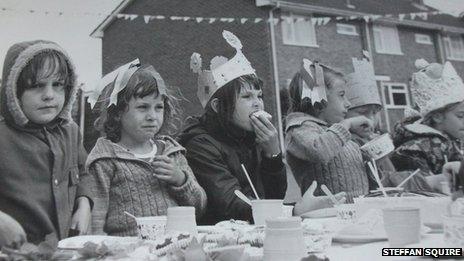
[168, 45]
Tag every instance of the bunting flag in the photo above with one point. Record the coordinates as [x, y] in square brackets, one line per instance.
[319, 21]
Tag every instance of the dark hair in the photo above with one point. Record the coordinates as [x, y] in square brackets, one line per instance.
[429, 118]
[227, 96]
[141, 84]
[296, 87]
[57, 64]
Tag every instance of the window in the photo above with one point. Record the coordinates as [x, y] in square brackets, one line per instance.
[347, 29]
[298, 30]
[454, 47]
[423, 39]
[386, 40]
[396, 95]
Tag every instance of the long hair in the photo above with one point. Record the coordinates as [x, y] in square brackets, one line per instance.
[141, 84]
[227, 97]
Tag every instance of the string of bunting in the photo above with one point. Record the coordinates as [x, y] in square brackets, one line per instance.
[242, 20]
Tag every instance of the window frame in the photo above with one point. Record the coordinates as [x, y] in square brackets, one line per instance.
[419, 41]
[294, 17]
[344, 25]
[384, 49]
[449, 52]
[388, 86]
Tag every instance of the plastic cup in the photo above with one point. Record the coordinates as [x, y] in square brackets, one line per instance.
[284, 239]
[287, 211]
[266, 208]
[151, 228]
[181, 219]
[403, 225]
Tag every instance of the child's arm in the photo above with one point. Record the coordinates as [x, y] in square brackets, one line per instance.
[100, 184]
[309, 142]
[190, 193]
[272, 171]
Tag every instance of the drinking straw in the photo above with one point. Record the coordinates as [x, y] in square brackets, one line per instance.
[408, 178]
[377, 178]
[249, 180]
[242, 196]
[130, 215]
[326, 190]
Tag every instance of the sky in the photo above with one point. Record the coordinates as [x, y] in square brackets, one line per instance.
[79, 17]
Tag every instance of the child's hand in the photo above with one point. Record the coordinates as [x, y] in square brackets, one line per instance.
[360, 125]
[267, 136]
[11, 232]
[310, 202]
[81, 218]
[167, 170]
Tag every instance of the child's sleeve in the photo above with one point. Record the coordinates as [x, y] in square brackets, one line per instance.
[84, 178]
[274, 178]
[190, 193]
[99, 185]
[216, 178]
[416, 154]
[310, 142]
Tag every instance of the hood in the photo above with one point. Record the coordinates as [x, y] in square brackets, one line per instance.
[295, 119]
[106, 149]
[17, 58]
[412, 128]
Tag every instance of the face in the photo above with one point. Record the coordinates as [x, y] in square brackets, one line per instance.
[248, 101]
[45, 100]
[452, 122]
[143, 118]
[337, 103]
[369, 111]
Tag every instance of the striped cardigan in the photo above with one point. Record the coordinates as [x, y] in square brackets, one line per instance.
[122, 182]
[326, 154]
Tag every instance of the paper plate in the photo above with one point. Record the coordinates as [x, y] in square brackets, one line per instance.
[79, 241]
[341, 238]
[320, 213]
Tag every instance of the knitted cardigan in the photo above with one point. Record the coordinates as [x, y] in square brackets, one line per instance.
[122, 182]
[326, 154]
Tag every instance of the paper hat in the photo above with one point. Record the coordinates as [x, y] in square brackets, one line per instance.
[313, 85]
[435, 86]
[221, 70]
[120, 77]
[361, 84]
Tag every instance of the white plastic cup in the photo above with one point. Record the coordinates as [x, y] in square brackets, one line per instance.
[284, 239]
[181, 219]
[403, 225]
[151, 228]
[266, 208]
[287, 211]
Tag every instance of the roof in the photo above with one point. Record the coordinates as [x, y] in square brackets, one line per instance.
[361, 8]
[99, 31]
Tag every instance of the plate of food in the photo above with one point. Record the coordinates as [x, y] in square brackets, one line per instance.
[79, 241]
[320, 213]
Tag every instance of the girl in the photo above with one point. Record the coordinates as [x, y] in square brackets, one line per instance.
[231, 133]
[430, 140]
[135, 169]
[318, 139]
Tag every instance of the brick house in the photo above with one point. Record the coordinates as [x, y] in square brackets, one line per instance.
[275, 49]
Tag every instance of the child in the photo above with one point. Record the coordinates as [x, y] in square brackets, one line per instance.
[42, 182]
[233, 131]
[429, 141]
[134, 168]
[318, 139]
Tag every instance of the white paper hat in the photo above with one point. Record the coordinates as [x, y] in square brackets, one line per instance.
[221, 70]
[361, 84]
[435, 86]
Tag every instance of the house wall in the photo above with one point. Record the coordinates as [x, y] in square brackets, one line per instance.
[168, 45]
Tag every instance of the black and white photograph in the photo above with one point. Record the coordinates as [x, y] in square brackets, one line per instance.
[231, 130]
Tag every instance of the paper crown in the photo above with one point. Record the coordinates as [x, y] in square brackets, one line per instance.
[435, 86]
[313, 85]
[362, 86]
[120, 77]
[221, 70]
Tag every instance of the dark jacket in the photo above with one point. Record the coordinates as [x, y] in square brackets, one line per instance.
[215, 156]
[41, 167]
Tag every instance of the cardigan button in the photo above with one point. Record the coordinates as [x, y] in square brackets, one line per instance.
[56, 182]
